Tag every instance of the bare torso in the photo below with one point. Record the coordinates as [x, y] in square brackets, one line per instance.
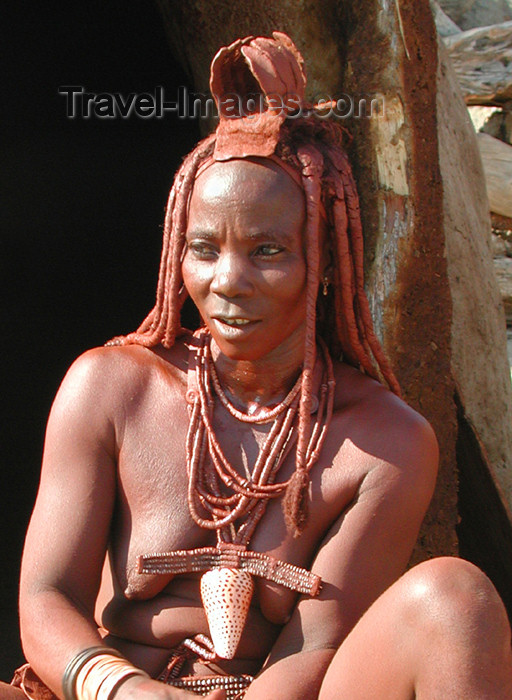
[151, 513]
[114, 484]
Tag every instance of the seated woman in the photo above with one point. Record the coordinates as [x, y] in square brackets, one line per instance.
[230, 512]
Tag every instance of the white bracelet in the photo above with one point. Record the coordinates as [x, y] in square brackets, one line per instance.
[95, 674]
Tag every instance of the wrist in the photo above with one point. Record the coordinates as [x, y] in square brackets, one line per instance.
[96, 673]
[129, 687]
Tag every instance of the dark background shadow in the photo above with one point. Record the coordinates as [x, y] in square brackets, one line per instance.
[83, 204]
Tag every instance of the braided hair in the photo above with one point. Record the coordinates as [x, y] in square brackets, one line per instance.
[314, 147]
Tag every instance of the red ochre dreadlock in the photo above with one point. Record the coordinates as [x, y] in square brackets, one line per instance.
[314, 147]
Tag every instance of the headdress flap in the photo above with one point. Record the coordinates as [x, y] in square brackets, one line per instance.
[256, 84]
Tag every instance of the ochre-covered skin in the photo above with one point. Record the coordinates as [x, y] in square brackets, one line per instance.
[369, 489]
[115, 480]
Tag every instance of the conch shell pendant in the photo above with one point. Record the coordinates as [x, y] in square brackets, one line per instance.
[226, 595]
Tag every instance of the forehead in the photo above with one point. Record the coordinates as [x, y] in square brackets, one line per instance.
[248, 181]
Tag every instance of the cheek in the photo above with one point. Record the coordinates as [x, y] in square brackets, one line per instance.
[287, 287]
[196, 278]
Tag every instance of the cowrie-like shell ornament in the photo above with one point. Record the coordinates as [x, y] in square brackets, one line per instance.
[226, 595]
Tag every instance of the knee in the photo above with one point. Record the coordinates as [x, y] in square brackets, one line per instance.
[452, 596]
[452, 581]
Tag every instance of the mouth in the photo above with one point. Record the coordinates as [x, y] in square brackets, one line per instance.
[235, 322]
[233, 326]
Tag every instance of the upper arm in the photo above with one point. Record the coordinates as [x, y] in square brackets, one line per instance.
[68, 532]
[369, 545]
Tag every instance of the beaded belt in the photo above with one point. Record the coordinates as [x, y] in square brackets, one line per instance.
[201, 648]
[235, 686]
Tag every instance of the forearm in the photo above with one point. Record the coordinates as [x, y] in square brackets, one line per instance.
[53, 630]
[163, 621]
[295, 677]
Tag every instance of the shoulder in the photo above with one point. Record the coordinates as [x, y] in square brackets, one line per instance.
[370, 408]
[394, 441]
[107, 377]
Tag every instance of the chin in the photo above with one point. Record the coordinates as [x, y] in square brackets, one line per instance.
[239, 352]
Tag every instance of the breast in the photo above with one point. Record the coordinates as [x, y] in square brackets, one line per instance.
[276, 602]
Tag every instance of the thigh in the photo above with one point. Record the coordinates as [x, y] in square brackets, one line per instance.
[372, 661]
[440, 631]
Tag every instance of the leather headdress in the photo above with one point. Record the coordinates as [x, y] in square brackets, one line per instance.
[256, 83]
[259, 84]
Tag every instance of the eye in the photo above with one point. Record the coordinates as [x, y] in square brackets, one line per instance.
[268, 250]
[202, 250]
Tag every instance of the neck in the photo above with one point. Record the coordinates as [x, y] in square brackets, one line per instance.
[255, 384]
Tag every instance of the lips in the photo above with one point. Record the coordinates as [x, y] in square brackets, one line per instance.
[232, 318]
[233, 326]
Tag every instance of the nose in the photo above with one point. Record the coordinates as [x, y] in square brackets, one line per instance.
[232, 276]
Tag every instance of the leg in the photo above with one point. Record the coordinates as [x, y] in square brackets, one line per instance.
[8, 692]
[439, 633]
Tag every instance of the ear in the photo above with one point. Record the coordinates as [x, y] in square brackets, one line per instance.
[325, 269]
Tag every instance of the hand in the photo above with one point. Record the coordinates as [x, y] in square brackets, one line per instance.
[140, 688]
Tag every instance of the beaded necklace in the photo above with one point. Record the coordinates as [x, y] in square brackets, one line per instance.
[225, 497]
[249, 497]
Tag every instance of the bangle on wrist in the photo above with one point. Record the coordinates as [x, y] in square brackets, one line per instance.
[95, 673]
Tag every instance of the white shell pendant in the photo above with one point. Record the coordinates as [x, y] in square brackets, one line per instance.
[226, 595]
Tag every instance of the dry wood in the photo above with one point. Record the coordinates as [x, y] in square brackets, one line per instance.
[477, 13]
[444, 25]
[482, 59]
[494, 121]
[503, 269]
[497, 162]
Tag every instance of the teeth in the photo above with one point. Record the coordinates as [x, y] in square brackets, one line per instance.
[236, 321]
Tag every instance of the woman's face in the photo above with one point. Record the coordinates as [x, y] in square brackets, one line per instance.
[245, 265]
